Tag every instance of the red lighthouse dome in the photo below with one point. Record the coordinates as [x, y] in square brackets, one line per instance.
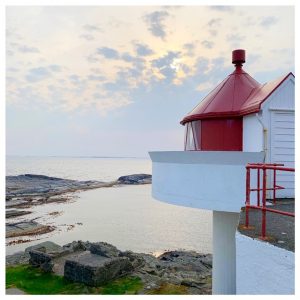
[216, 123]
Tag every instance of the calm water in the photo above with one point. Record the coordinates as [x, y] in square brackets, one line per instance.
[128, 217]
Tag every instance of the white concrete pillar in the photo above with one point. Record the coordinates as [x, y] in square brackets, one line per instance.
[224, 253]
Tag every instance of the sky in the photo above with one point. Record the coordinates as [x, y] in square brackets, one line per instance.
[117, 80]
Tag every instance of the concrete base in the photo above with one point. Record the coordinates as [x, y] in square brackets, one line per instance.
[224, 253]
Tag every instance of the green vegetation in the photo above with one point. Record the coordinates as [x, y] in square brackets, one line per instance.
[169, 289]
[36, 282]
[125, 285]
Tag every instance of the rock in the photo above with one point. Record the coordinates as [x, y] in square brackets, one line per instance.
[136, 259]
[95, 270]
[77, 246]
[26, 228]
[15, 203]
[41, 260]
[135, 179]
[34, 176]
[39, 185]
[16, 213]
[97, 263]
[104, 249]
[188, 260]
[43, 254]
[47, 247]
[18, 258]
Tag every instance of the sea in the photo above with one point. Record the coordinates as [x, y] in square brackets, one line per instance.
[125, 216]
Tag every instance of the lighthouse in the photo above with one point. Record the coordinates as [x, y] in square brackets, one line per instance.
[240, 114]
[227, 130]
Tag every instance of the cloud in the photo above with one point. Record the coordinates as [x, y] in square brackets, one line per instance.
[38, 74]
[143, 50]
[10, 79]
[12, 69]
[213, 32]
[108, 53]
[87, 37]
[111, 53]
[253, 58]
[155, 21]
[55, 68]
[214, 22]
[27, 49]
[222, 8]
[165, 60]
[201, 65]
[235, 37]
[190, 47]
[75, 79]
[268, 21]
[127, 57]
[166, 65]
[89, 27]
[9, 53]
[96, 77]
[207, 44]
[92, 58]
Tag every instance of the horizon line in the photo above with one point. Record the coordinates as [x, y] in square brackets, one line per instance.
[75, 156]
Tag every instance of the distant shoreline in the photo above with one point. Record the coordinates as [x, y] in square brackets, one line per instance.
[79, 156]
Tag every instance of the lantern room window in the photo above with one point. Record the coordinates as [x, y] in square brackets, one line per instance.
[193, 136]
[214, 135]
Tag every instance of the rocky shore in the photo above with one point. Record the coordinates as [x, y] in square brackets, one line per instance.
[98, 263]
[26, 191]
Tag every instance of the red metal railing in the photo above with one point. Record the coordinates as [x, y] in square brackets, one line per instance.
[263, 168]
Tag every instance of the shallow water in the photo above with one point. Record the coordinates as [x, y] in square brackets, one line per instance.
[127, 217]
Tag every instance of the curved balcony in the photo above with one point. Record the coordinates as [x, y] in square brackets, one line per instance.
[214, 180]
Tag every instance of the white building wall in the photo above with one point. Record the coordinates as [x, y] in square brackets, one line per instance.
[252, 134]
[278, 138]
[278, 116]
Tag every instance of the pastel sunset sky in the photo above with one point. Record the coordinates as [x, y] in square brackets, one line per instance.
[116, 80]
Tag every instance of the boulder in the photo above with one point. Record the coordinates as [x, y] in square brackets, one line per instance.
[76, 246]
[94, 270]
[42, 255]
[135, 179]
[104, 249]
[136, 259]
[18, 258]
[46, 247]
[41, 260]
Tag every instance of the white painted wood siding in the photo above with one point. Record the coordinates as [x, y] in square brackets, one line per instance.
[283, 149]
[278, 112]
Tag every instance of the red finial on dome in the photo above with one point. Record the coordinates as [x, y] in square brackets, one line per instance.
[238, 57]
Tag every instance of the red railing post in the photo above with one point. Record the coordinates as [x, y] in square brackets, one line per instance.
[262, 199]
[263, 210]
[274, 186]
[258, 187]
[247, 197]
